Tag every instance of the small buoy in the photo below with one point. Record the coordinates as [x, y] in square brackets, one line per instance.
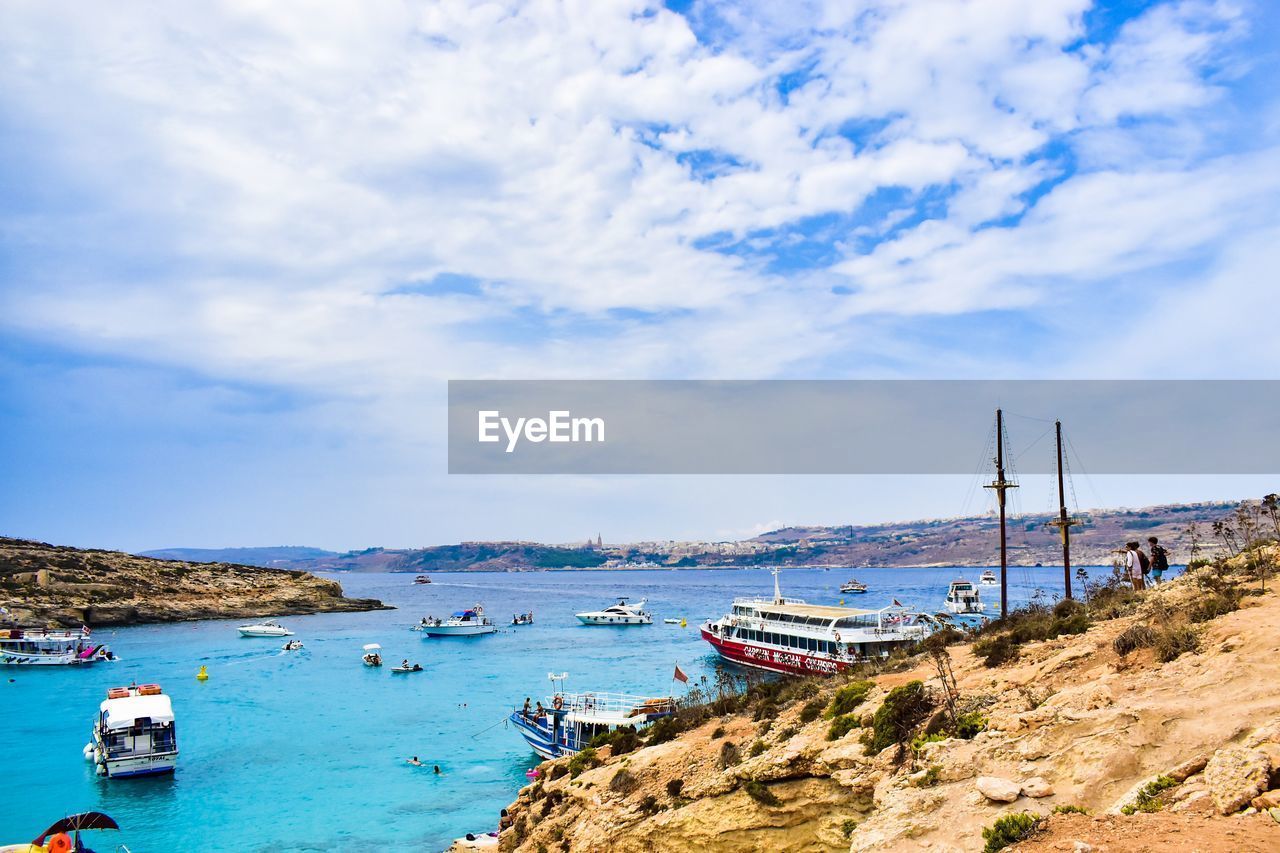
[203, 674]
[683, 623]
[88, 752]
[60, 843]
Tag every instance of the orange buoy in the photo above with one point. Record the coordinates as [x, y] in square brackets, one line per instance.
[60, 843]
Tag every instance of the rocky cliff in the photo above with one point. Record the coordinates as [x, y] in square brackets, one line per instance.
[43, 584]
[1155, 726]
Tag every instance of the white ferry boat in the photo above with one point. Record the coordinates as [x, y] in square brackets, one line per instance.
[854, 586]
[963, 597]
[134, 734]
[50, 647]
[464, 623]
[988, 578]
[568, 722]
[790, 636]
[618, 614]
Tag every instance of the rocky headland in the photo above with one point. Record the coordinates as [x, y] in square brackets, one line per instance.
[1138, 722]
[42, 584]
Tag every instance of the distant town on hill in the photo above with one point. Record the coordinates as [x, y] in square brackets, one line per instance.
[969, 541]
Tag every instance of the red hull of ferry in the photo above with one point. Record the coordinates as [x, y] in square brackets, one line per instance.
[773, 660]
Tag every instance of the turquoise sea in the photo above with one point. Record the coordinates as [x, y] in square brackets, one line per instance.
[306, 751]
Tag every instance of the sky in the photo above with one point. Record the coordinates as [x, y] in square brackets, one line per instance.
[243, 246]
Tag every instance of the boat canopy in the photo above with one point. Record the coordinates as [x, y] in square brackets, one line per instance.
[372, 647]
[121, 713]
[464, 614]
[812, 611]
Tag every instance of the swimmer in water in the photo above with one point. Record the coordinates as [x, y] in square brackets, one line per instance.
[416, 763]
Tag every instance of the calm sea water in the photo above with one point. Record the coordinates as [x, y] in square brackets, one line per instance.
[306, 751]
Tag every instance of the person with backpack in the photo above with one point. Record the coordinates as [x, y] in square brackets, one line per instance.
[1159, 560]
[1137, 565]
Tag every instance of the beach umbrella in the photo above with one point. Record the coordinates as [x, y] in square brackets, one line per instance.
[77, 822]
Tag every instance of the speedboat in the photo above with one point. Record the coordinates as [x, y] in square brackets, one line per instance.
[265, 629]
[50, 647]
[65, 835]
[291, 646]
[405, 667]
[618, 614]
[853, 585]
[134, 734]
[963, 597]
[422, 579]
[568, 721]
[464, 623]
[372, 655]
[988, 578]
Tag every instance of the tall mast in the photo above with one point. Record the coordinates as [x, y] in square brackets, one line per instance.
[1001, 485]
[1063, 523]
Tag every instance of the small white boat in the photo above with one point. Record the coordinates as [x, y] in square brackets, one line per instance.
[988, 578]
[963, 597]
[464, 623]
[372, 655]
[265, 629]
[134, 734]
[853, 586]
[618, 614]
[291, 646]
[50, 647]
[422, 579]
[670, 621]
[522, 618]
[406, 667]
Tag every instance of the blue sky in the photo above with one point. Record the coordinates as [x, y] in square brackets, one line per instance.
[242, 249]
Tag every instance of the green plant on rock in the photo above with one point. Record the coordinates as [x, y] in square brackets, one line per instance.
[623, 782]
[1148, 799]
[903, 709]
[1009, 829]
[848, 827]
[759, 792]
[849, 697]
[757, 748]
[812, 710]
[583, 761]
[674, 787]
[931, 777]
[918, 742]
[842, 725]
[1174, 641]
[1070, 809]
[968, 725]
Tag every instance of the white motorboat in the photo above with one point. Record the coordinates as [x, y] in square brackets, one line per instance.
[988, 578]
[372, 655]
[853, 586]
[464, 623]
[134, 734]
[265, 629]
[50, 647]
[618, 614]
[963, 597]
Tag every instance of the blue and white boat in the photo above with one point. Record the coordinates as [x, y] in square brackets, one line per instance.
[134, 734]
[464, 623]
[569, 721]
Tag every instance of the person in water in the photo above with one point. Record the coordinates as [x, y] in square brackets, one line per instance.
[415, 762]
[436, 767]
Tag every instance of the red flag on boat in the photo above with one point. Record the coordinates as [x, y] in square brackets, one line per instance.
[897, 603]
[680, 676]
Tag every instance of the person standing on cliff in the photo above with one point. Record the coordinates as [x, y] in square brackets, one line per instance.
[1134, 564]
[1159, 560]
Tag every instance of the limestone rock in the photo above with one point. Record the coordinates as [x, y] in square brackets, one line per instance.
[998, 789]
[1235, 776]
[1083, 847]
[1188, 768]
[1037, 787]
[1269, 800]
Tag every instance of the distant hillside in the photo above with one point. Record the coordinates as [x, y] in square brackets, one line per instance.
[970, 541]
[44, 584]
[271, 557]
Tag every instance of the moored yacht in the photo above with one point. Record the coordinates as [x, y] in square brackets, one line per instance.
[570, 720]
[422, 579]
[963, 597]
[264, 629]
[988, 578]
[464, 623]
[134, 734]
[50, 647]
[853, 585]
[618, 614]
[790, 636]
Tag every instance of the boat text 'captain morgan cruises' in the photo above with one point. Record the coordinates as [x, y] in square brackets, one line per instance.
[793, 637]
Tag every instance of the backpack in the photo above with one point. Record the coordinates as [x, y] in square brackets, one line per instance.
[1144, 561]
[1159, 558]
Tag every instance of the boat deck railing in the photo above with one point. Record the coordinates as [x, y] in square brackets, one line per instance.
[767, 601]
[611, 703]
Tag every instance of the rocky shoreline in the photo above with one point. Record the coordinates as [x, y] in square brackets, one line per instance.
[1150, 718]
[43, 584]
